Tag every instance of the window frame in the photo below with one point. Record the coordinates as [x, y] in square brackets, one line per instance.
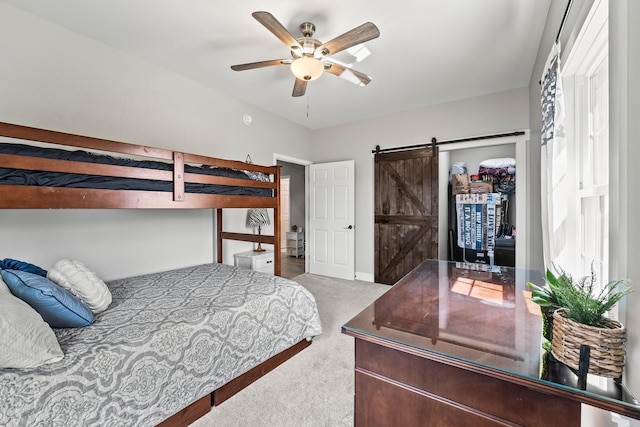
[588, 55]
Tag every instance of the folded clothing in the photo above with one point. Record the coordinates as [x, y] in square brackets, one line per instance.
[499, 166]
[511, 170]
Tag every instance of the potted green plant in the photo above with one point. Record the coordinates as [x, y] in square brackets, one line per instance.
[587, 304]
[549, 297]
[580, 319]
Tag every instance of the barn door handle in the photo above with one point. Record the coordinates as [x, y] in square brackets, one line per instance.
[349, 227]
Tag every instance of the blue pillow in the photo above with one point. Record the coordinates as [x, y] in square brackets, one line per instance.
[14, 264]
[57, 306]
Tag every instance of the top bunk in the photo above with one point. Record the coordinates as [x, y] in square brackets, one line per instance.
[75, 171]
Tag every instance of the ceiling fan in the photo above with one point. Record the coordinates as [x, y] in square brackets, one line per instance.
[309, 56]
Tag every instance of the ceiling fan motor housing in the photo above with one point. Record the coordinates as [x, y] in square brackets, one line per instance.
[309, 46]
[307, 29]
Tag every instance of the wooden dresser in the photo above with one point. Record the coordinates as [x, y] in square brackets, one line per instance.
[449, 345]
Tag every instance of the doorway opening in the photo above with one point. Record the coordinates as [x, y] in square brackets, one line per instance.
[293, 214]
[515, 147]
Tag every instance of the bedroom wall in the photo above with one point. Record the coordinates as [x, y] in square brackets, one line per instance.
[624, 42]
[55, 79]
[495, 113]
[624, 104]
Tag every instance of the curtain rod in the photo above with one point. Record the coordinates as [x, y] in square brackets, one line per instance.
[435, 142]
[564, 20]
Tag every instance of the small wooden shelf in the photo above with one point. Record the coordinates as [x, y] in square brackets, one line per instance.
[295, 243]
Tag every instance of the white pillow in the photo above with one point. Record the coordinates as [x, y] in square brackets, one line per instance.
[27, 341]
[82, 282]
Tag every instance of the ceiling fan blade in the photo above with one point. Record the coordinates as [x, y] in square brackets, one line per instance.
[273, 25]
[299, 87]
[361, 34]
[260, 64]
[347, 73]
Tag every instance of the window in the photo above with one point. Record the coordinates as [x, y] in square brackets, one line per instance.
[586, 82]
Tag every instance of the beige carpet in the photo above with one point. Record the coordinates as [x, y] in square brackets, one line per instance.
[315, 387]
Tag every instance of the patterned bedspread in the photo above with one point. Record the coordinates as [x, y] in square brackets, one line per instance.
[167, 340]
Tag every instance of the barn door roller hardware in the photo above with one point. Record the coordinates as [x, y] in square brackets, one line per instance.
[434, 142]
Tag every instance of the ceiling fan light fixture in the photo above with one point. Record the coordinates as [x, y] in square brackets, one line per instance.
[307, 68]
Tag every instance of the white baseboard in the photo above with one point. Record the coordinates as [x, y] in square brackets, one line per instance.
[365, 277]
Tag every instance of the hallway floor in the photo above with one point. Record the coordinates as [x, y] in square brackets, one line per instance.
[291, 266]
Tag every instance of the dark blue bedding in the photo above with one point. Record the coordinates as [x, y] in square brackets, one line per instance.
[59, 179]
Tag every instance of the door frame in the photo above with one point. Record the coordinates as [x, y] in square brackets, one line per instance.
[305, 163]
[283, 231]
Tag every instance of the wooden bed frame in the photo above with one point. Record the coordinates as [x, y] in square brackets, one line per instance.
[202, 406]
[41, 197]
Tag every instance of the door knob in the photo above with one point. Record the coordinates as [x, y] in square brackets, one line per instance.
[349, 227]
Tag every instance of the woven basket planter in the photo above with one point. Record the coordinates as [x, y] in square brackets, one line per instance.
[607, 345]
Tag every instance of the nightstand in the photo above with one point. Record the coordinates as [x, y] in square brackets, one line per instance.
[295, 243]
[258, 261]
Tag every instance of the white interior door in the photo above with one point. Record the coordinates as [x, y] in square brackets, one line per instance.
[285, 216]
[331, 219]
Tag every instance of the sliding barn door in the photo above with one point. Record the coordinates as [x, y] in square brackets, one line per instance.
[406, 212]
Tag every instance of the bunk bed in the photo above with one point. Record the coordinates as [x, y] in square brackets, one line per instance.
[25, 195]
[70, 171]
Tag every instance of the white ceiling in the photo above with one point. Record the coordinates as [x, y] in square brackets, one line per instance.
[429, 51]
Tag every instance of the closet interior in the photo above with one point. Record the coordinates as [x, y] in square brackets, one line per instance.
[481, 205]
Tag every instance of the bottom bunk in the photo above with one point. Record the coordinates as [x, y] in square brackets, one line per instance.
[169, 345]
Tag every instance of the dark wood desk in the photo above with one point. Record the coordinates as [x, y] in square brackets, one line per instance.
[452, 346]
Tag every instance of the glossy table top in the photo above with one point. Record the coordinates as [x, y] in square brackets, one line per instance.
[479, 318]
